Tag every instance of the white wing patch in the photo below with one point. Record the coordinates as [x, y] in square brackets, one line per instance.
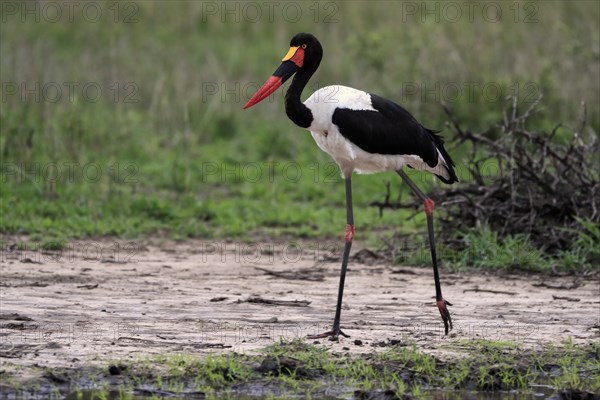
[351, 98]
[325, 100]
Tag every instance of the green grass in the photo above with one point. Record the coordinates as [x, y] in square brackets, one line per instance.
[167, 150]
[482, 249]
[299, 368]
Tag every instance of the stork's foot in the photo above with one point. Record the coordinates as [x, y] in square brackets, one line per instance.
[332, 335]
[445, 314]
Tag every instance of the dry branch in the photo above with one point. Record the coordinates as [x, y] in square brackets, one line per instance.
[542, 182]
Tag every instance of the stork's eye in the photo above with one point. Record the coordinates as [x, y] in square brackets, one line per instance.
[304, 46]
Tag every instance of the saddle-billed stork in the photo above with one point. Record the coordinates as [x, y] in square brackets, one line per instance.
[362, 132]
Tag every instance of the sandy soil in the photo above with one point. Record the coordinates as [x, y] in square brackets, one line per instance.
[105, 300]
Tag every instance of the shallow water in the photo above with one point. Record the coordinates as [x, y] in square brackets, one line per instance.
[536, 393]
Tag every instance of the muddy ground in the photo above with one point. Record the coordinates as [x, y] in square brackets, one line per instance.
[102, 300]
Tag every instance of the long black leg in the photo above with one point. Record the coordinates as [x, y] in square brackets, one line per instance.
[348, 237]
[429, 206]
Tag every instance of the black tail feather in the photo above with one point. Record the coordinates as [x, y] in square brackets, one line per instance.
[439, 144]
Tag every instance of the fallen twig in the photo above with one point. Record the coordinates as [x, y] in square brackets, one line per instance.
[302, 274]
[572, 286]
[489, 291]
[91, 286]
[290, 303]
[565, 298]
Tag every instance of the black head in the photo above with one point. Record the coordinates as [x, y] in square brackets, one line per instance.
[313, 52]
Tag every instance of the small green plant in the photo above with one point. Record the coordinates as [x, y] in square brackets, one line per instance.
[416, 391]
[125, 394]
[484, 379]
[484, 249]
[54, 244]
[585, 251]
[220, 371]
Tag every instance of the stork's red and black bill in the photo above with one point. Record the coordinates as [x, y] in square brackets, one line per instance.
[292, 61]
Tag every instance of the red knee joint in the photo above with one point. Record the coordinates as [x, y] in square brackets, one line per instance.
[441, 304]
[429, 206]
[349, 234]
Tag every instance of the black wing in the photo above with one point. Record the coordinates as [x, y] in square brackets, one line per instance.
[390, 130]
